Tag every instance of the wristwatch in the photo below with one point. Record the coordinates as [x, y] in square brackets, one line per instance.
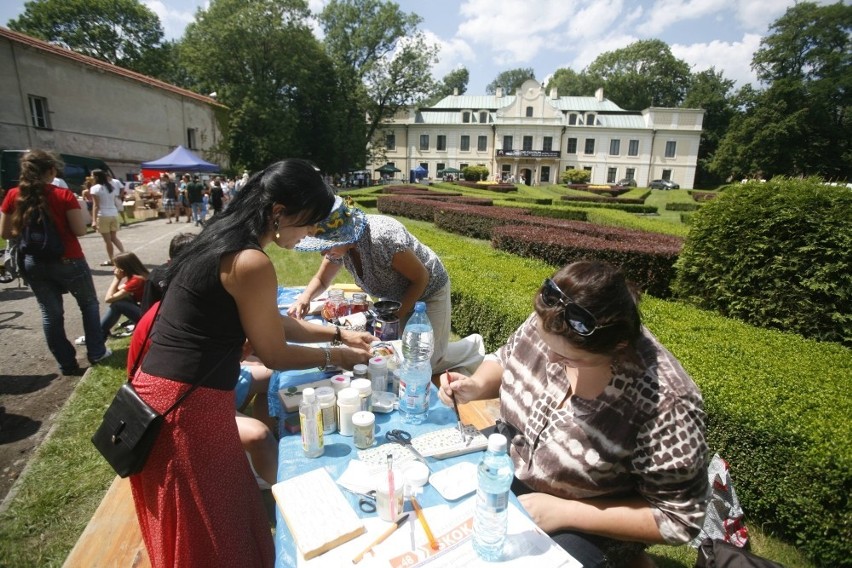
[337, 337]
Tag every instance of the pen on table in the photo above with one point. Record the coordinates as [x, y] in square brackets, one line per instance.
[432, 542]
[391, 488]
[456, 407]
[396, 524]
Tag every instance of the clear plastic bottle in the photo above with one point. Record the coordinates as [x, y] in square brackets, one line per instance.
[310, 422]
[495, 474]
[415, 375]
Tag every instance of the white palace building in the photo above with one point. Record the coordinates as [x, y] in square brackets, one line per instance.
[533, 136]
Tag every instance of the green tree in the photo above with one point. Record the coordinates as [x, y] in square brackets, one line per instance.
[641, 75]
[383, 64]
[264, 63]
[570, 83]
[122, 32]
[710, 91]
[510, 80]
[801, 123]
[455, 80]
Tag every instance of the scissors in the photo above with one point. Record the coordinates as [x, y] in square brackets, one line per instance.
[366, 501]
[403, 438]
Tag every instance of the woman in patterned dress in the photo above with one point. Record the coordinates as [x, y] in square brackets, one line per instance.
[606, 429]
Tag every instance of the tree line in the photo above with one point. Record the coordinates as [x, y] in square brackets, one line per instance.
[292, 94]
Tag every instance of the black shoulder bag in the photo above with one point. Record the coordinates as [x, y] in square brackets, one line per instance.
[130, 426]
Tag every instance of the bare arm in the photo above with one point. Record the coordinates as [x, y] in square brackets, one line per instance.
[116, 291]
[309, 332]
[249, 277]
[408, 265]
[5, 226]
[319, 283]
[76, 221]
[484, 383]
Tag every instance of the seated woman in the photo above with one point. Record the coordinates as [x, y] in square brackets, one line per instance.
[387, 262]
[606, 429]
[125, 291]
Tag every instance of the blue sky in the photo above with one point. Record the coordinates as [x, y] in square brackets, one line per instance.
[490, 36]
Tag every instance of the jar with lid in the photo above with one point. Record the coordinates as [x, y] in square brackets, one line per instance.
[359, 371]
[377, 371]
[339, 382]
[328, 409]
[365, 391]
[358, 303]
[348, 403]
[336, 306]
[363, 423]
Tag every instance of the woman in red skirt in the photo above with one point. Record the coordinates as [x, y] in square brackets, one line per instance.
[196, 499]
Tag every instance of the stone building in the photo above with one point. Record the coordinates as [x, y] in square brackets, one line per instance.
[57, 99]
[533, 136]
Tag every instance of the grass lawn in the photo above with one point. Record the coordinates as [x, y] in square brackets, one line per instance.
[67, 478]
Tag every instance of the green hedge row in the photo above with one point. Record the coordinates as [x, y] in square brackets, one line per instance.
[682, 206]
[778, 405]
[627, 207]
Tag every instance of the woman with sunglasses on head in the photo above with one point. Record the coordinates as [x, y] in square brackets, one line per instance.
[606, 429]
[196, 498]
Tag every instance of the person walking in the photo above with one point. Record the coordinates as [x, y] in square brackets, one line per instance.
[170, 196]
[195, 194]
[105, 213]
[50, 278]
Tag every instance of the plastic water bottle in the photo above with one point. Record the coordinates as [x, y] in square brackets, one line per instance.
[310, 422]
[495, 475]
[415, 375]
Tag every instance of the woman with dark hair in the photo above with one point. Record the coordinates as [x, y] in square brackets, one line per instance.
[124, 295]
[606, 429]
[197, 499]
[50, 278]
[105, 213]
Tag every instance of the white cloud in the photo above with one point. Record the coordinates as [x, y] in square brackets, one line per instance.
[452, 53]
[732, 58]
[666, 13]
[174, 20]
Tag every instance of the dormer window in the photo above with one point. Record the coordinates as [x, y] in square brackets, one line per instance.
[466, 117]
[529, 111]
[483, 117]
[572, 119]
[590, 119]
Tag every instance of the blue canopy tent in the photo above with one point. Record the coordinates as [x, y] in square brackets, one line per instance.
[180, 159]
[418, 173]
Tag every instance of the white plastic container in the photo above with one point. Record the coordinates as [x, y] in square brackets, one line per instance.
[377, 372]
[364, 425]
[339, 382]
[365, 390]
[348, 403]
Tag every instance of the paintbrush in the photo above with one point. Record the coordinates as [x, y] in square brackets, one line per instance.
[458, 416]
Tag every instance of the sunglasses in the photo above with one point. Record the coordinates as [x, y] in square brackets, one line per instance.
[576, 316]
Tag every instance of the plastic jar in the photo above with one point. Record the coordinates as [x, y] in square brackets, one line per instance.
[328, 409]
[348, 403]
[365, 390]
[363, 423]
[339, 382]
[360, 371]
[377, 372]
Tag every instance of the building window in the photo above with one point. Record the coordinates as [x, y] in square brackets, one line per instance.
[38, 112]
[465, 117]
[633, 148]
[545, 174]
[464, 144]
[482, 143]
[440, 167]
[572, 146]
[529, 111]
[547, 143]
[507, 142]
[527, 142]
[667, 174]
[483, 117]
[611, 174]
[587, 169]
[190, 138]
[630, 173]
[614, 147]
[442, 142]
[572, 119]
[671, 149]
[424, 142]
[590, 119]
[462, 166]
[390, 142]
[505, 171]
[590, 146]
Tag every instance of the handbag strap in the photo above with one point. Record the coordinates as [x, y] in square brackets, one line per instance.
[143, 351]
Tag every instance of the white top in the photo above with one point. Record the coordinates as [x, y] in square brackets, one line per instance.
[106, 200]
[59, 182]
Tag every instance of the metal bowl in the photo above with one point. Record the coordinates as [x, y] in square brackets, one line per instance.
[386, 308]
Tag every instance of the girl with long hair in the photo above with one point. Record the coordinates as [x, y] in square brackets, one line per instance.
[105, 213]
[197, 499]
[124, 295]
[50, 278]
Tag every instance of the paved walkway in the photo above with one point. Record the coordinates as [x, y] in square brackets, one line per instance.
[30, 389]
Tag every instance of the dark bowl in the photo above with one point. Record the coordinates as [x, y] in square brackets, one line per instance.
[385, 308]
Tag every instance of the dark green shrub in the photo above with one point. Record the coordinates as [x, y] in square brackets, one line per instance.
[676, 206]
[775, 254]
[475, 173]
[575, 176]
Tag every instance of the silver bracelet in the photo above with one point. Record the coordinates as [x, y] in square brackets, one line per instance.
[327, 352]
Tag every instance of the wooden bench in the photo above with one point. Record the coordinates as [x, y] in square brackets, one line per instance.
[112, 538]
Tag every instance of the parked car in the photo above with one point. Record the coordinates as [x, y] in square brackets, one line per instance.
[663, 184]
[626, 182]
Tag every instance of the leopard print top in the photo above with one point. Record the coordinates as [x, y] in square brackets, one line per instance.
[643, 435]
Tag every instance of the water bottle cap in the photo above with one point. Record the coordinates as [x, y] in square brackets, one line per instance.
[420, 306]
[497, 443]
[309, 395]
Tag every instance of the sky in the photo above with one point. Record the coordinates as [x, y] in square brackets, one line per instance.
[491, 36]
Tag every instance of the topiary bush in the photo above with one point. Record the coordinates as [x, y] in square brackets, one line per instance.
[775, 254]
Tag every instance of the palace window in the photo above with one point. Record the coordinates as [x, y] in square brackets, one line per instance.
[529, 111]
[424, 142]
[614, 147]
[572, 119]
[483, 117]
[545, 173]
[547, 143]
[507, 142]
[590, 119]
[611, 174]
[528, 142]
[38, 112]
[465, 117]
[572, 146]
[482, 143]
[633, 148]
[442, 142]
[464, 143]
[390, 142]
[630, 173]
[671, 149]
[590, 146]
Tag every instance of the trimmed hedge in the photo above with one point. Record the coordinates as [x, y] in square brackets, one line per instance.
[788, 440]
[776, 255]
[682, 206]
[602, 199]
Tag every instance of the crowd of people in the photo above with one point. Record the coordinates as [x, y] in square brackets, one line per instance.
[606, 428]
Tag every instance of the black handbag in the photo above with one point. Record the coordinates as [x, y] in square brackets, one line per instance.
[714, 553]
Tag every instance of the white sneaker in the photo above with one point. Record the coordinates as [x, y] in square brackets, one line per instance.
[80, 340]
[107, 354]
